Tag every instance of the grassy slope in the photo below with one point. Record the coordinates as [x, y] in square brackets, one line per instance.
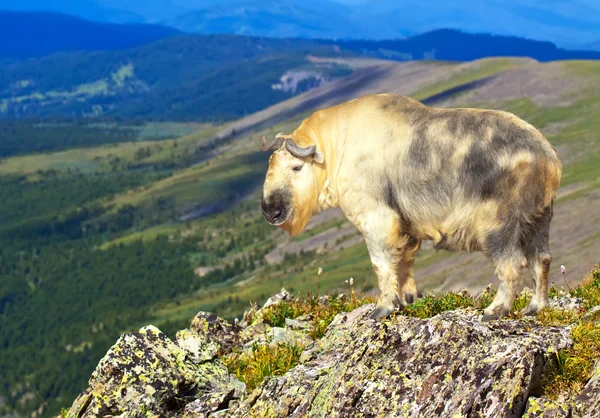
[203, 183]
[578, 131]
[237, 171]
[99, 158]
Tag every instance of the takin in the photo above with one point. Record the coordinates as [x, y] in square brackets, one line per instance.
[403, 172]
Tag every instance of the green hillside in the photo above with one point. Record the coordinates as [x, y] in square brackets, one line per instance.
[100, 240]
[208, 78]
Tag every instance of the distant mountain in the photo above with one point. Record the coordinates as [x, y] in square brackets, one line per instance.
[455, 45]
[561, 21]
[33, 34]
[275, 18]
[221, 77]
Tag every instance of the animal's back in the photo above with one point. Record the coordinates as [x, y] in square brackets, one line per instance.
[455, 174]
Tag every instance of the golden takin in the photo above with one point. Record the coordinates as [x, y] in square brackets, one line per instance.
[403, 172]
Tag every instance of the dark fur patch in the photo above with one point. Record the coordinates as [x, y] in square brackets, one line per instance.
[394, 103]
[389, 195]
[503, 240]
[535, 239]
[419, 152]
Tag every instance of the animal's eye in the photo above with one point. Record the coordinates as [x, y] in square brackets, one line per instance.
[297, 168]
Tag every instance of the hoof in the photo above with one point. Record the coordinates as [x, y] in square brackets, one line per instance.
[488, 318]
[531, 310]
[380, 312]
[494, 315]
[411, 297]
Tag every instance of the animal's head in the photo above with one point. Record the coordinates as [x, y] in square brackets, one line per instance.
[290, 190]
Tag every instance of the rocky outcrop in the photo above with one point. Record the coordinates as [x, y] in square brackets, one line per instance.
[451, 365]
[586, 405]
[146, 374]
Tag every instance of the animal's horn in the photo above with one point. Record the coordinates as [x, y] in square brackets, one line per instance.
[274, 144]
[297, 151]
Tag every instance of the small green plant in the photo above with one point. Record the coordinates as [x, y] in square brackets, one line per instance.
[589, 290]
[573, 367]
[432, 305]
[322, 313]
[263, 361]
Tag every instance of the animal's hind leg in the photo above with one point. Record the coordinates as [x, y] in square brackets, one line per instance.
[540, 267]
[407, 288]
[539, 259]
[508, 270]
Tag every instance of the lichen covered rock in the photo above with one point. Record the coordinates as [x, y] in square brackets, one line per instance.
[546, 408]
[588, 403]
[449, 365]
[147, 374]
[212, 327]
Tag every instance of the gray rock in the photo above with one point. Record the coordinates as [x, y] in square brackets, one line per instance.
[281, 296]
[450, 364]
[593, 312]
[212, 327]
[565, 302]
[588, 403]
[147, 374]
[301, 323]
[278, 335]
[209, 404]
[546, 408]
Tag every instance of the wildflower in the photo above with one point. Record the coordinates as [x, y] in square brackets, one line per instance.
[563, 270]
[319, 271]
[351, 281]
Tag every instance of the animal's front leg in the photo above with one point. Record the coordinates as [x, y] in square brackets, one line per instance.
[381, 232]
[406, 281]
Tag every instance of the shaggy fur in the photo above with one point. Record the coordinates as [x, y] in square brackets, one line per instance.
[402, 172]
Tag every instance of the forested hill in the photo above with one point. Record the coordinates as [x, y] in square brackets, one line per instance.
[199, 77]
[34, 34]
[202, 77]
[455, 45]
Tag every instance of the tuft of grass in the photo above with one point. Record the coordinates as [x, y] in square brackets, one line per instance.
[432, 305]
[589, 290]
[574, 366]
[322, 313]
[263, 361]
[557, 317]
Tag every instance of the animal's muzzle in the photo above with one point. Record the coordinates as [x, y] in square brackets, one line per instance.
[275, 207]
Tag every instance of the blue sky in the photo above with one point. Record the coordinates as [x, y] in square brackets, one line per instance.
[566, 22]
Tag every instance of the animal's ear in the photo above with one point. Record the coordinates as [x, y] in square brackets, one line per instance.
[318, 157]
